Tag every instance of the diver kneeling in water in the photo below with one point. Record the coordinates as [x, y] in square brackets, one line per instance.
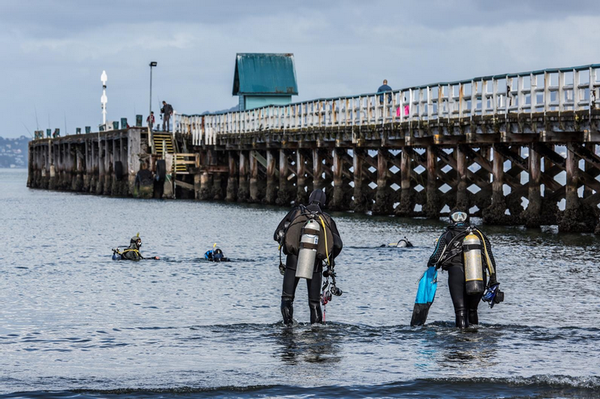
[310, 239]
[132, 252]
[466, 253]
[215, 255]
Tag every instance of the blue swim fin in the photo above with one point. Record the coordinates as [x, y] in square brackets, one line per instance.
[425, 296]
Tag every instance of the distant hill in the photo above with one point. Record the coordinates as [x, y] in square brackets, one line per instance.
[14, 152]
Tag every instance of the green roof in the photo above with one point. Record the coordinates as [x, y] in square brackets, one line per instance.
[260, 73]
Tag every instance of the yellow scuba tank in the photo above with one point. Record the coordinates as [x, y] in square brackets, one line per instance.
[473, 266]
[309, 242]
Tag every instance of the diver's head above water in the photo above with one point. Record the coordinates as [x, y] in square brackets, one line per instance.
[135, 242]
[459, 218]
[317, 197]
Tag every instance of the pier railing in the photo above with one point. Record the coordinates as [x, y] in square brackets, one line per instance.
[541, 91]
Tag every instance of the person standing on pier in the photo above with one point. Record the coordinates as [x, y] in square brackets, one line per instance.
[384, 88]
[326, 244]
[150, 120]
[466, 253]
[167, 111]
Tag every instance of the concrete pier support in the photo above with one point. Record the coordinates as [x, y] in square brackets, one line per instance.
[116, 153]
[205, 186]
[79, 169]
[52, 166]
[216, 191]
[243, 184]
[361, 186]
[101, 168]
[232, 179]
[271, 194]
[108, 167]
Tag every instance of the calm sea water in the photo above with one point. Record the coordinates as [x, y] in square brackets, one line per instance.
[75, 324]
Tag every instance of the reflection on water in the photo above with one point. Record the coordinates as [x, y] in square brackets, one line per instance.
[310, 344]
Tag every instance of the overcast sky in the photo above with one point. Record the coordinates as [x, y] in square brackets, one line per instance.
[54, 51]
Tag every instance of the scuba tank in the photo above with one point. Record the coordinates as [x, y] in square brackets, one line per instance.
[473, 267]
[309, 242]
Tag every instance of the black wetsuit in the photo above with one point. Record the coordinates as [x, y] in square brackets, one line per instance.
[465, 306]
[290, 281]
[131, 253]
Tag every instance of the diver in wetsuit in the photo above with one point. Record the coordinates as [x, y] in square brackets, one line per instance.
[132, 252]
[215, 255]
[449, 255]
[288, 234]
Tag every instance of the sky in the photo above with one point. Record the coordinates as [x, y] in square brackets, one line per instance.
[54, 51]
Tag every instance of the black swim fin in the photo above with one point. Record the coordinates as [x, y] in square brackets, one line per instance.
[420, 312]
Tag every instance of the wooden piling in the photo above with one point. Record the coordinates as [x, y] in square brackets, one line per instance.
[285, 192]
[303, 183]
[337, 201]
[384, 203]
[271, 194]
[254, 182]
[532, 215]
[361, 188]
[243, 184]
[496, 212]
[407, 195]
[232, 180]
[432, 206]
[462, 198]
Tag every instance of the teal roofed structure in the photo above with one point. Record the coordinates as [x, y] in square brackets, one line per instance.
[262, 79]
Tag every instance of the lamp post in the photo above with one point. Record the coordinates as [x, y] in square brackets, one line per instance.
[152, 64]
[103, 99]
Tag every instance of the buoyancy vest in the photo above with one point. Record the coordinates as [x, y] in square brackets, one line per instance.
[294, 232]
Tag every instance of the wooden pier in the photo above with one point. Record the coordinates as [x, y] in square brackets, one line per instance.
[518, 149]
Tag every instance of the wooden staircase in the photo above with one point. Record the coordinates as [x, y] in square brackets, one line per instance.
[163, 143]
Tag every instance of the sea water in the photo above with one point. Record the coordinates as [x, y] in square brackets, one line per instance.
[76, 324]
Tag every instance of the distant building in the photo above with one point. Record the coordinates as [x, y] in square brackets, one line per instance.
[264, 79]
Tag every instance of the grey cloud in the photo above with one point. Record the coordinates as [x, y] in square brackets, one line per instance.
[54, 51]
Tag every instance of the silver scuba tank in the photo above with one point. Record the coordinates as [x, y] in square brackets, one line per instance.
[309, 242]
[473, 266]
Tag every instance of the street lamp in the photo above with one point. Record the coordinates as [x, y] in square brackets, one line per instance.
[103, 99]
[152, 64]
